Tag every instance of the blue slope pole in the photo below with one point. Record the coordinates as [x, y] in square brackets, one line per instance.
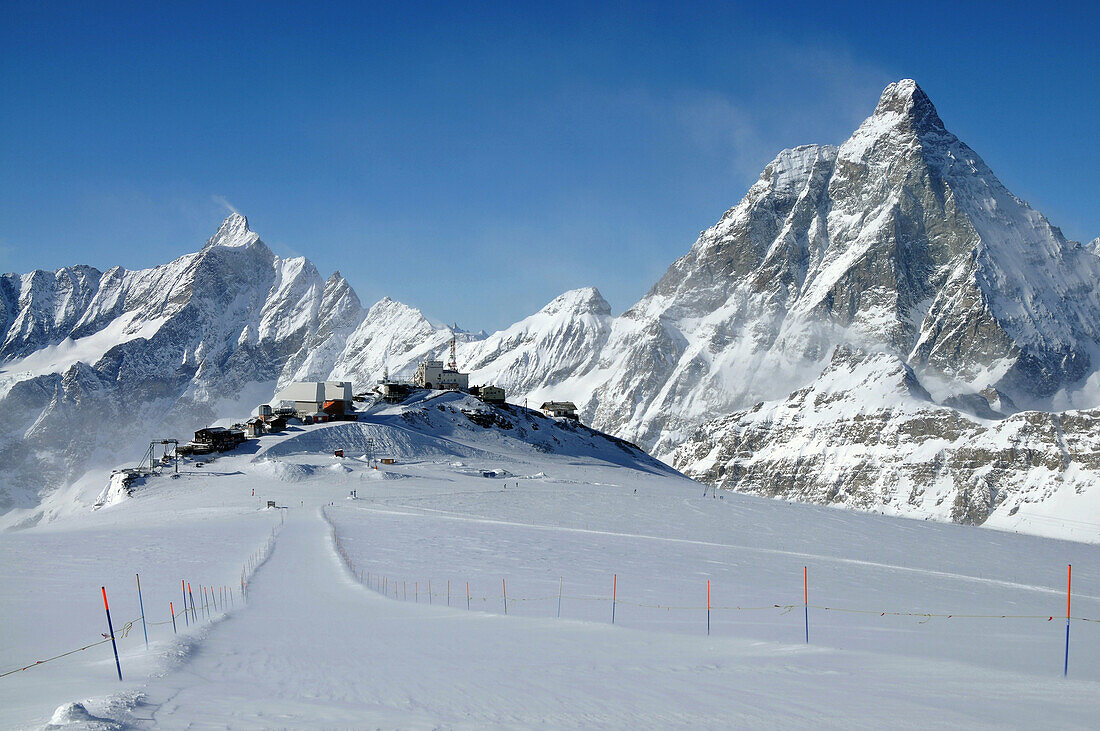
[141, 604]
[1069, 584]
[111, 629]
[806, 602]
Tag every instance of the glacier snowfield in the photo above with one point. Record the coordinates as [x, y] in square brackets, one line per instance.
[339, 629]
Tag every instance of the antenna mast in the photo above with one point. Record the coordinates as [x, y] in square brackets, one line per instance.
[453, 365]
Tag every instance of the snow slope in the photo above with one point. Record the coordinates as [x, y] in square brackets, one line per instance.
[315, 647]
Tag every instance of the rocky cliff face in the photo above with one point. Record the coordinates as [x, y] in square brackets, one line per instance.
[866, 435]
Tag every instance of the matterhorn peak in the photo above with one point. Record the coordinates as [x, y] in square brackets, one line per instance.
[233, 232]
[905, 100]
[904, 114]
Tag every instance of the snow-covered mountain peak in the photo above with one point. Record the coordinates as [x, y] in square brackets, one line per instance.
[391, 309]
[579, 302]
[233, 233]
[904, 119]
[556, 347]
[339, 288]
[391, 336]
[905, 100]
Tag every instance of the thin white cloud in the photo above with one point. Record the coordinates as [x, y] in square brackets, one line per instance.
[220, 200]
[717, 125]
[813, 95]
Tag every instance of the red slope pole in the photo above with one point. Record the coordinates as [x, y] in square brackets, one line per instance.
[708, 606]
[614, 595]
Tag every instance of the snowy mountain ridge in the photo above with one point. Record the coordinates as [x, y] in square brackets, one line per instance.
[900, 241]
[96, 360]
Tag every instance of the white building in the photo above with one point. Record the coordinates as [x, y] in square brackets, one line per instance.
[564, 409]
[433, 374]
[310, 397]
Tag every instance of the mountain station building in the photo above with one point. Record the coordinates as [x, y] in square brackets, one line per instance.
[489, 394]
[433, 374]
[309, 397]
[565, 409]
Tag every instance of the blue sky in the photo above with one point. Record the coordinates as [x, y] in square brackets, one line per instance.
[477, 161]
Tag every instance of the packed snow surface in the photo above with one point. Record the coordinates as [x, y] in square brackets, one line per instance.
[340, 629]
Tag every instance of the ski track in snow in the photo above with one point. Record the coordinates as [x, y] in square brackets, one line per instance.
[273, 665]
[732, 546]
